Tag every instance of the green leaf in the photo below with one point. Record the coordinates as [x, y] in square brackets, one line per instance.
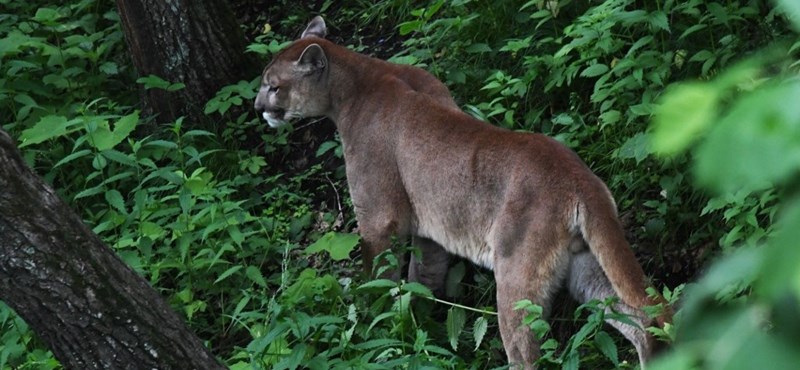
[571, 362]
[114, 199]
[338, 245]
[606, 345]
[48, 127]
[89, 192]
[236, 235]
[228, 273]
[479, 330]
[153, 82]
[610, 117]
[792, 10]
[408, 27]
[478, 48]
[637, 147]
[378, 284]
[72, 157]
[757, 143]
[254, 274]
[658, 19]
[125, 125]
[417, 289]
[686, 111]
[109, 68]
[151, 230]
[103, 138]
[326, 146]
[692, 29]
[594, 70]
[782, 258]
[456, 318]
[47, 16]
[119, 157]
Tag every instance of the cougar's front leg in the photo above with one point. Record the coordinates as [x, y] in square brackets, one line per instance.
[376, 238]
[431, 268]
[380, 203]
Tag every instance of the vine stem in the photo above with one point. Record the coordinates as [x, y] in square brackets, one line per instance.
[437, 300]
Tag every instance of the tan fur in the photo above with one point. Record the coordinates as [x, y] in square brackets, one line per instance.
[521, 204]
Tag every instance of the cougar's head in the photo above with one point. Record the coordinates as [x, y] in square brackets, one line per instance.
[294, 84]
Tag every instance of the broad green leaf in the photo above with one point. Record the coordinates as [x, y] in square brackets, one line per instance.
[48, 127]
[338, 245]
[151, 230]
[417, 289]
[109, 68]
[456, 318]
[606, 345]
[610, 117]
[254, 274]
[781, 267]
[686, 111]
[404, 59]
[455, 275]
[125, 125]
[104, 138]
[757, 143]
[47, 16]
[792, 10]
[479, 330]
[115, 200]
[594, 70]
[119, 157]
[325, 147]
[571, 362]
[153, 82]
[637, 147]
[659, 20]
[408, 27]
[236, 234]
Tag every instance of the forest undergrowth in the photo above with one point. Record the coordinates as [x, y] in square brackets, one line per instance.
[685, 108]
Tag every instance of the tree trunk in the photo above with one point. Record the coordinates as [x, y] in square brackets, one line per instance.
[197, 43]
[91, 309]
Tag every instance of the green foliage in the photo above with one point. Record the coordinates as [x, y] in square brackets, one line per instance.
[747, 154]
[233, 240]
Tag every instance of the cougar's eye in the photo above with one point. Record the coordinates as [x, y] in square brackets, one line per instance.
[273, 89]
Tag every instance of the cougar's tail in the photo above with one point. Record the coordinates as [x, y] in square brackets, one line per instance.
[597, 219]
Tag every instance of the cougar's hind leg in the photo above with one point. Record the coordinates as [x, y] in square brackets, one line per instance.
[587, 281]
[531, 271]
[431, 268]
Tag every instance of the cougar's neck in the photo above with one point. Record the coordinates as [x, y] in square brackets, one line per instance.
[352, 81]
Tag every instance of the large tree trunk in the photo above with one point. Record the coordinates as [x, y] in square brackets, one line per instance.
[197, 43]
[91, 309]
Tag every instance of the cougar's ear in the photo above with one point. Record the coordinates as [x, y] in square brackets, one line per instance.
[315, 28]
[312, 60]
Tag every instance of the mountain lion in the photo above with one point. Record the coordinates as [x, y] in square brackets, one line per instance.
[521, 204]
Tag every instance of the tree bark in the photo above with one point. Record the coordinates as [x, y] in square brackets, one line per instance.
[92, 310]
[197, 43]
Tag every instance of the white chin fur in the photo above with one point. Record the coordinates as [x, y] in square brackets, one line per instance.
[272, 122]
